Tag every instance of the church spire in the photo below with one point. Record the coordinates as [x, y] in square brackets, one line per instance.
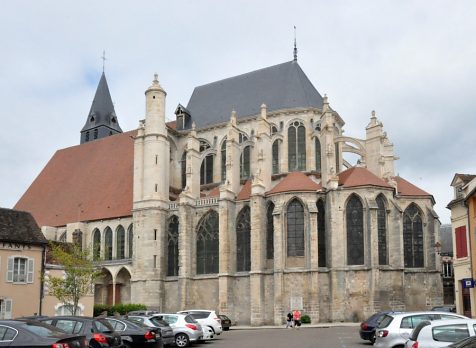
[295, 45]
[102, 120]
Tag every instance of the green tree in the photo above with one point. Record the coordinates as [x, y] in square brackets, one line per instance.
[79, 275]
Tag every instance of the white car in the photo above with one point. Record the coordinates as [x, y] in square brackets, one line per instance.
[395, 328]
[206, 318]
[208, 333]
[441, 333]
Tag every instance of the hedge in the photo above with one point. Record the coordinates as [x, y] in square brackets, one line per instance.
[122, 308]
[306, 319]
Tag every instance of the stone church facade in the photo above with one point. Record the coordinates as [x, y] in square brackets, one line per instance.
[245, 204]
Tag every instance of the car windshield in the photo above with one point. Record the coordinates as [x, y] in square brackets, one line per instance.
[387, 319]
[43, 330]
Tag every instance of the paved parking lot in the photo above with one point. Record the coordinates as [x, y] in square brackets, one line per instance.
[332, 337]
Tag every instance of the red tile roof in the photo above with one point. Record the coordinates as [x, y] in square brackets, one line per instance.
[406, 188]
[172, 124]
[295, 182]
[358, 176]
[90, 181]
[245, 192]
[214, 192]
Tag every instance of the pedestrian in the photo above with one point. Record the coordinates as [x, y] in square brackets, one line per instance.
[297, 319]
[289, 320]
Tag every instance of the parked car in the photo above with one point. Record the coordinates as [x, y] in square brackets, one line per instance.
[166, 331]
[99, 333]
[225, 322]
[368, 326]
[206, 317]
[394, 329]
[31, 333]
[207, 333]
[186, 329]
[469, 342]
[440, 333]
[135, 335]
[445, 308]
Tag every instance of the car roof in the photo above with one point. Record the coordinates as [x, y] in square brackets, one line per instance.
[196, 310]
[404, 314]
[451, 321]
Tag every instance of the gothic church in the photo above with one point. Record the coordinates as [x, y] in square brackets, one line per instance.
[244, 204]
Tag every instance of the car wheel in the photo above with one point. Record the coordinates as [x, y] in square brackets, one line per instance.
[211, 327]
[181, 340]
[226, 328]
[372, 339]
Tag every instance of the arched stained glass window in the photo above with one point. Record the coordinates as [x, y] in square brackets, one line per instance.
[355, 231]
[321, 234]
[270, 231]
[382, 231]
[206, 170]
[207, 244]
[412, 237]
[223, 161]
[130, 239]
[183, 169]
[121, 242]
[317, 146]
[296, 147]
[245, 163]
[295, 228]
[173, 246]
[96, 244]
[243, 240]
[108, 243]
[275, 152]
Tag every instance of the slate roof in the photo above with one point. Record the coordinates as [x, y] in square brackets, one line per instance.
[295, 182]
[358, 176]
[19, 227]
[280, 86]
[86, 182]
[102, 109]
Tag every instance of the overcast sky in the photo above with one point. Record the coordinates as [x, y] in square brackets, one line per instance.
[414, 62]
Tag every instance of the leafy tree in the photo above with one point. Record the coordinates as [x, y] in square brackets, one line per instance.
[79, 274]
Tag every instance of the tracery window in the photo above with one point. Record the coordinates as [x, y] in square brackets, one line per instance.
[207, 244]
[242, 137]
[204, 145]
[96, 244]
[223, 161]
[382, 231]
[412, 237]
[245, 163]
[108, 243]
[121, 242]
[270, 231]
[275, 159]
[206, 170]
[295, 228]
[243, 240]
[355, 231]
[317, 146]
[130, 236]
[173, 246]
[183, 169]
[321, 234]
[296, 146]
[274, 129]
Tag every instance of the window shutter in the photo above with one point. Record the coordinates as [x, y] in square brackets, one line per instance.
[31, 268]
[10, 269]
[464, 248]
[8, 309]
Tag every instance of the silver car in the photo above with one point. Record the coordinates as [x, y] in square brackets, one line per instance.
[186, 329]
[394, 329]
[441, 333]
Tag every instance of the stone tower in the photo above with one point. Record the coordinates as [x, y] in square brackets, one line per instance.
[102, 120]
[151, 196]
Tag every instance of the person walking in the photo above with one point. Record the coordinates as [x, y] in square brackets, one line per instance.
[289, 320]
[297, 319]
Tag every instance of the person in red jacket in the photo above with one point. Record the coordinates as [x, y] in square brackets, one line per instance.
[297, 318]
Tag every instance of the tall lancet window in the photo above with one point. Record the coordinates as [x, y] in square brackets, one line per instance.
[275, 159]
[173, 247]
[96, 244]
[183, 169]
[321, 234]
[130, 239]
[243, 240]
[382, 231]
[295, 228]
[355, 231]
[270, 231]
[207, 244]
[223, 161]
[108, 243]
[206, 170]
[120, 242]
[317, 146]
[412, 237]
[245, 163]
[296, 147]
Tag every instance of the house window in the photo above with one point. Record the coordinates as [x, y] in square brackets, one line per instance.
[20, 270]
[243, 240]
[461, 243]
[295, 224]
[270, 231]
[206, 170]
[355, 231]
[68, 310]
[172, 247]
[6, 313]
[296, 147]
[447, 270]
[245, 163]
[207, 244]
[412, 237]
[275, 151]
[382, 231]
[321, 233]
[317, 146]
[223, 161]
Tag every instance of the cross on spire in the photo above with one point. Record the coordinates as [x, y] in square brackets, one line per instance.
[103, 57]
[295, 46]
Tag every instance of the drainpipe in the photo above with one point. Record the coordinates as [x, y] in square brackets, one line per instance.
[43, 260]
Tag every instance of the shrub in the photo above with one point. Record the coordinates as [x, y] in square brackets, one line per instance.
[306, 319]
[121, 308]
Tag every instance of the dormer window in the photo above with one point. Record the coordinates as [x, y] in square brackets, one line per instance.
[92, 119]
[183, 117]
[113, 120]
